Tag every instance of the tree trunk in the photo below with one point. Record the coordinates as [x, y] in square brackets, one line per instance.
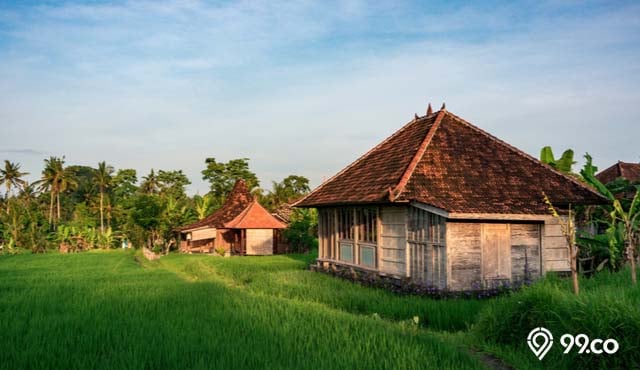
[51, 209]
[7, 196]
[101, 212]
[58, 198]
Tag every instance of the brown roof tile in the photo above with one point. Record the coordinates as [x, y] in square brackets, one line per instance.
[444, 161]
[629, 171]
[237, 201]
[254, 217]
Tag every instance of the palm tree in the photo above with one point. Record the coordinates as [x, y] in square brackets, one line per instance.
[49, 180]
[56, 179]
[102, 178]
[10, 176]
[150, 183]
[66, 181]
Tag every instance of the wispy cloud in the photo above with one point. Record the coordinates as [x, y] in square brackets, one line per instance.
[24, 151]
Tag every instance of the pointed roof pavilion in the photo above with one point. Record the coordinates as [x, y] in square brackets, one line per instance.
[240, 210]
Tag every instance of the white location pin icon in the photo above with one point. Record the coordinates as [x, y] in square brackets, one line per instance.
[540, 341]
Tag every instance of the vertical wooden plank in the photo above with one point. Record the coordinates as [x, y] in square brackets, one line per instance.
[378, 238]
[336, 236]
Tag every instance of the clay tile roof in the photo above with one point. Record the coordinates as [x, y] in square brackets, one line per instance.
[254, 217]
[238, 200]
[443, 161]
[628, 171]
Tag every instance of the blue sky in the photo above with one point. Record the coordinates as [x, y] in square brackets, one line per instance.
[306, 87]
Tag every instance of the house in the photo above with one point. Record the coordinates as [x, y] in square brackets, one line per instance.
[445, 204]
[240, 227]
[622, 170]
[627, 171]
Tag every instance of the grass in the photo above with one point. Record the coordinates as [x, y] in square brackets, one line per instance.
[608, 307]
[105, 310]
[114, 309]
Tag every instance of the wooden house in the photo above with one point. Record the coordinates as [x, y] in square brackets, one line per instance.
[447, 205]
[240, 227]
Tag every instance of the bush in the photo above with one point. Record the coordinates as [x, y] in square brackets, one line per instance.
[608, 307]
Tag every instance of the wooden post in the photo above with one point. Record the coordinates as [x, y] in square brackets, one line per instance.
[378, 238]
[356, 247]
[336, 235]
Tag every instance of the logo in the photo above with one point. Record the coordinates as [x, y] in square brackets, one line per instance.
[540, 341]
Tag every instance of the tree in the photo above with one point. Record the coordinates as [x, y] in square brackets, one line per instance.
[222, 176]
[563, 164]
[10, 176]
[291, 188]
[124, 183]
[49, 181]
[146, 213]
[150, 183]
[172, 184]
[102, 178]
[625, 220]
[630, 219]
[203, 205]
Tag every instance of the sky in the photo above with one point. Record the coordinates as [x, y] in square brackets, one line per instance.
[305, 88]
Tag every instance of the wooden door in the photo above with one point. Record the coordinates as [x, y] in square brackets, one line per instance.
[496, 251]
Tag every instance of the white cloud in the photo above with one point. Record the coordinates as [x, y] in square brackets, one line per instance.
[305, 89]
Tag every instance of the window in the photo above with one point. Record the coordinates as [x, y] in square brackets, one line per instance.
[357, 233]
[346, 252]
[368, 256]
[426, 238]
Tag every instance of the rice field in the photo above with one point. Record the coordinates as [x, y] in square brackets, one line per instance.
[112, 310]
[116, 310]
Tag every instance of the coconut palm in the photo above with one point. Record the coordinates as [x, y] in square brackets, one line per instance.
[102, 178]
[56, 179]
[150, 183]
[10, 176]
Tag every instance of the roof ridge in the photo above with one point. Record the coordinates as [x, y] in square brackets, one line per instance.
[411, 167]
[522, 153]
[359, 159]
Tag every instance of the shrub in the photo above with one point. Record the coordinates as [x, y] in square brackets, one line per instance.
[607, 308]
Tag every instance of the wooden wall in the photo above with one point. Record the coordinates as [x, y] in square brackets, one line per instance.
[476, 258]
[555, 253]
[208, 233]
[393, 241]
[525, 251]
[259, 242]
[464, 254]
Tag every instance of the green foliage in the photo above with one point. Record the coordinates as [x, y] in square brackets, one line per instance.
[286, 191]
[172, 184]
[302, 230]
[608, 307]
[222, 176]
[124, 184]
[10, 176]
[563, 164]
[146, 211]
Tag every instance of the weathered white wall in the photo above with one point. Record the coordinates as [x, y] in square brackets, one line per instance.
[208, 233]
[259, 241]
[393, 240]
[555, 253]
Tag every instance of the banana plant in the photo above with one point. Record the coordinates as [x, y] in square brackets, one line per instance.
[630, 219]
[563, 164]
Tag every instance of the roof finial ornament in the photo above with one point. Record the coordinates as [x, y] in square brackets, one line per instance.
[444, 107]
[415, 116]
[429, 110]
